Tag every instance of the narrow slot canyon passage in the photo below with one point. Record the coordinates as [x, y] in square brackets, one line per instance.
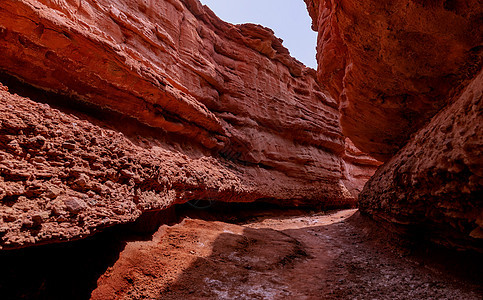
[216, 250]
[251, 252]
[150, 149]
[328, 255]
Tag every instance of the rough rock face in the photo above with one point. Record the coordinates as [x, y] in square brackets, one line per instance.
[434, 186]
[174, 65]
[62, 177]
[235, 118]
[392, 65]
[355, 167]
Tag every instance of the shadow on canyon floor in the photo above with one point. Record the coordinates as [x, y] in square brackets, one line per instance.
[70, 270]
[335, 255]
[324, 256]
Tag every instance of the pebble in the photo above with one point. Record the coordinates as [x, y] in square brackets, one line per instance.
[74, 205]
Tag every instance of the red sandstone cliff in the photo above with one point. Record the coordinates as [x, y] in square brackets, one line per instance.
[392, 65]
[231, 116]
[433, 186]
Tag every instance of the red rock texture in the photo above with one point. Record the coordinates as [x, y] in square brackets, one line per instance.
[231, 116]
[433, 187]
[405, 74]
[355, 168]
[62, 177]
[175, 66]
[392, 65]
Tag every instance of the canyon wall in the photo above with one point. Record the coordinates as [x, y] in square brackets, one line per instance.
[433, 187]
[177, 105]
[405, 74]
[392, 65]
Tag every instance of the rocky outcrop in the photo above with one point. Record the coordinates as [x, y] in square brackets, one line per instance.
[228, 116]
[355, 168]
[174, 66]
[63, 178]
[392, 65]
[433, 187]
[405, 76]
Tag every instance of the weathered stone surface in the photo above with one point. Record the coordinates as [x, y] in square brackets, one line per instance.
[392, 65]
[433, 187]
[52, 193]
[174, 65]
[232, 117]
[355, 168]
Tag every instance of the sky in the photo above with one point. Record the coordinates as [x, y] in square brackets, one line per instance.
[289, 20]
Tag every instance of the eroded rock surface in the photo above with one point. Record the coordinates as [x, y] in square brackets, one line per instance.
[238, 118]
[175, 66]
[405, 75]
[433, 187]
[62, 177]
[392, 65]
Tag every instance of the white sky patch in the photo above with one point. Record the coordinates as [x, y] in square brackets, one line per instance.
[289, 19]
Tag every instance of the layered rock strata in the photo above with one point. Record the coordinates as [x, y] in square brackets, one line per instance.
[238, 118]
[62, 177]
[392, 65]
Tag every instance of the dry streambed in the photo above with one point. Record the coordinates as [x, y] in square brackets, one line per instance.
[336, 255]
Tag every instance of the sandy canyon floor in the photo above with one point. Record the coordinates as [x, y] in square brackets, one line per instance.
[333, 255]
[252, 254]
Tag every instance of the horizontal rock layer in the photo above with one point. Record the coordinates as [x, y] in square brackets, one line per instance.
[433, 187]
[62, 177]
[174, 66]
[230, 117]
[392, 65]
